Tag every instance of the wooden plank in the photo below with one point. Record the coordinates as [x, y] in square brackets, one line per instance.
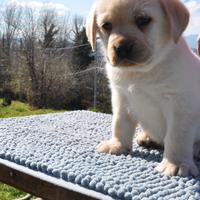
[38, 187]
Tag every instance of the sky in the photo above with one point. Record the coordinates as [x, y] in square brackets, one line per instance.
[82, 7]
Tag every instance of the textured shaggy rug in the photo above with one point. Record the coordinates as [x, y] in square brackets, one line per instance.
[63, 146]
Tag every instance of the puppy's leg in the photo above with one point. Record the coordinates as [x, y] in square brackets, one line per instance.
[123, 128]
[143, 139]
[178, 155]
[178, 143]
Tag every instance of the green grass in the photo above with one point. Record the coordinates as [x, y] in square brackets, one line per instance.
[9, 193]
[21, 109]
[94, 109]
[14, 110]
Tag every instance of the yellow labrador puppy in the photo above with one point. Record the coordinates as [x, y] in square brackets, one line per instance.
[154, 78]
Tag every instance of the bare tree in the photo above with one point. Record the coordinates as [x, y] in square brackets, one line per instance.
[48, 59]
[49, 28]
[63, 37]
[11, 19]
[47, 65]
[77, 25]
[29, 50]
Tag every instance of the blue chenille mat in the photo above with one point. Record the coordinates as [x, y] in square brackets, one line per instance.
[63, 145]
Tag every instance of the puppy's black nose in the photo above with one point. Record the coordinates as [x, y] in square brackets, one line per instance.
[124, 49]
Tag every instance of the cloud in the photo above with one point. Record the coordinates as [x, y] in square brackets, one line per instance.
[194, 8]
[192, 5]
[37, 5]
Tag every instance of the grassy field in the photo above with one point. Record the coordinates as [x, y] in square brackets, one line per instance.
[20, 109]
[9, 193]
[14, 110]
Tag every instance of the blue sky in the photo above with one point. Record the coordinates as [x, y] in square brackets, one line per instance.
[82, 7]
[76, 6]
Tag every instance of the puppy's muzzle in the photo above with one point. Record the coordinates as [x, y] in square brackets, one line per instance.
[124, 49]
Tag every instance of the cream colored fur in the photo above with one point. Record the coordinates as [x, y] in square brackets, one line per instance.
[162, 94]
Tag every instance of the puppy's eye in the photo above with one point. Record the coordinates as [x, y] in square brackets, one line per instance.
[107, 26]
[142, 20]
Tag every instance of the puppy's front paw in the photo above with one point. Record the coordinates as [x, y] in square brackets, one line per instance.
[113, 147]
[170, 169]
[143, 139]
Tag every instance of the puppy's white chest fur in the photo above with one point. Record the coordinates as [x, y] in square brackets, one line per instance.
[143, 101]
[147, 110]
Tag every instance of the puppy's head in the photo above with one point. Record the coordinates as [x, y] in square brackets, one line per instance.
[134, 32]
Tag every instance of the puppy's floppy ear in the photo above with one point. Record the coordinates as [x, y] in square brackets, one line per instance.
[177, 16]
[91, 28]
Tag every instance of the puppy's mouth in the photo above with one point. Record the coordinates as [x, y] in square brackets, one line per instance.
[125, 63]
[127, 54]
